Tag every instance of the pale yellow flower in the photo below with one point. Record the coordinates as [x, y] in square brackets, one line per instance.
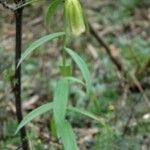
[75, 23]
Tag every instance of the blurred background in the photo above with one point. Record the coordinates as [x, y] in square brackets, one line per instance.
[117, 51]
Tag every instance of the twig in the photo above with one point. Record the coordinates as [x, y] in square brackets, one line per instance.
[19, 4]
[118, 63]
[115, 59]
[6, 5]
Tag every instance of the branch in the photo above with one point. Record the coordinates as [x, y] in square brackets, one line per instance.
[116, 59]
[6, 5]
[113, 56]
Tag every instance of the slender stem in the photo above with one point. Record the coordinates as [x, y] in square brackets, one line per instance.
[64, 56]
[65, 68]
[18, 17]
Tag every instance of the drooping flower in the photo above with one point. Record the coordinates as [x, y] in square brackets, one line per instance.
[74, 17]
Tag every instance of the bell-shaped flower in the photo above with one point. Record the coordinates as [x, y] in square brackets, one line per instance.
[74, 17]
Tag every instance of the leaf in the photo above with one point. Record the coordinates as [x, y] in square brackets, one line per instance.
[86, 113]
[38, 43]
[73, 79]
[60, 105]
[83, 67]
[51, 9]
[67, 136]
[33, 114]
[60, 100]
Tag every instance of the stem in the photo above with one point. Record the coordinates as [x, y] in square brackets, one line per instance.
[23, 135]
[65, 68]
[64, 57]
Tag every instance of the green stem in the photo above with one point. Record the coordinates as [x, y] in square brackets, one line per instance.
[65, 69]
[64, 56]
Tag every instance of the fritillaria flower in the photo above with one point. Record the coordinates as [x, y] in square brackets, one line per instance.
[74, 18]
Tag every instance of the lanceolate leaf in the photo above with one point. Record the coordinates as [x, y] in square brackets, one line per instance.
[86, 113]
[67, 136]
[51, 9]
[38, 43]
[82, 66]
[60, 100]
[33, 114]
[61, 94]
[73, 79]
[47, 107]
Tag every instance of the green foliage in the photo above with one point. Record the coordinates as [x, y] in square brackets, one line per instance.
[87, 113]
[67, 135]
[38, 43]
[61, 92]
[116, 19]
[73, 79]
[35, 113]
[60, 100]
[83, 67]
[61, 95]
[51, 10]
[59, 106]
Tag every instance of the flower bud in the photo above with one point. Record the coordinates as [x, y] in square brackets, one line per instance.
[75, 23]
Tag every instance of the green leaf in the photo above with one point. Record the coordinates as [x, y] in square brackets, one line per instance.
[73, 79]
[67, 136]
[86, 113]
[61, 94]
[51, 9]
[60, 100]
[38, 43]
[83, 67]
[33, 114]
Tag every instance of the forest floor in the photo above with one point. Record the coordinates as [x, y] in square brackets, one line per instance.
[117, 50]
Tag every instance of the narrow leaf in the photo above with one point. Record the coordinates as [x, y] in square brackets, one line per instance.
[67, 136]
[33, 114]
[83, 67]
[38, 43]
[51, 9]
[73, 79]
[86, 113]
[60, 100]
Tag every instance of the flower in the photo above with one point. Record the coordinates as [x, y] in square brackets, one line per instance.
[75, 23]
